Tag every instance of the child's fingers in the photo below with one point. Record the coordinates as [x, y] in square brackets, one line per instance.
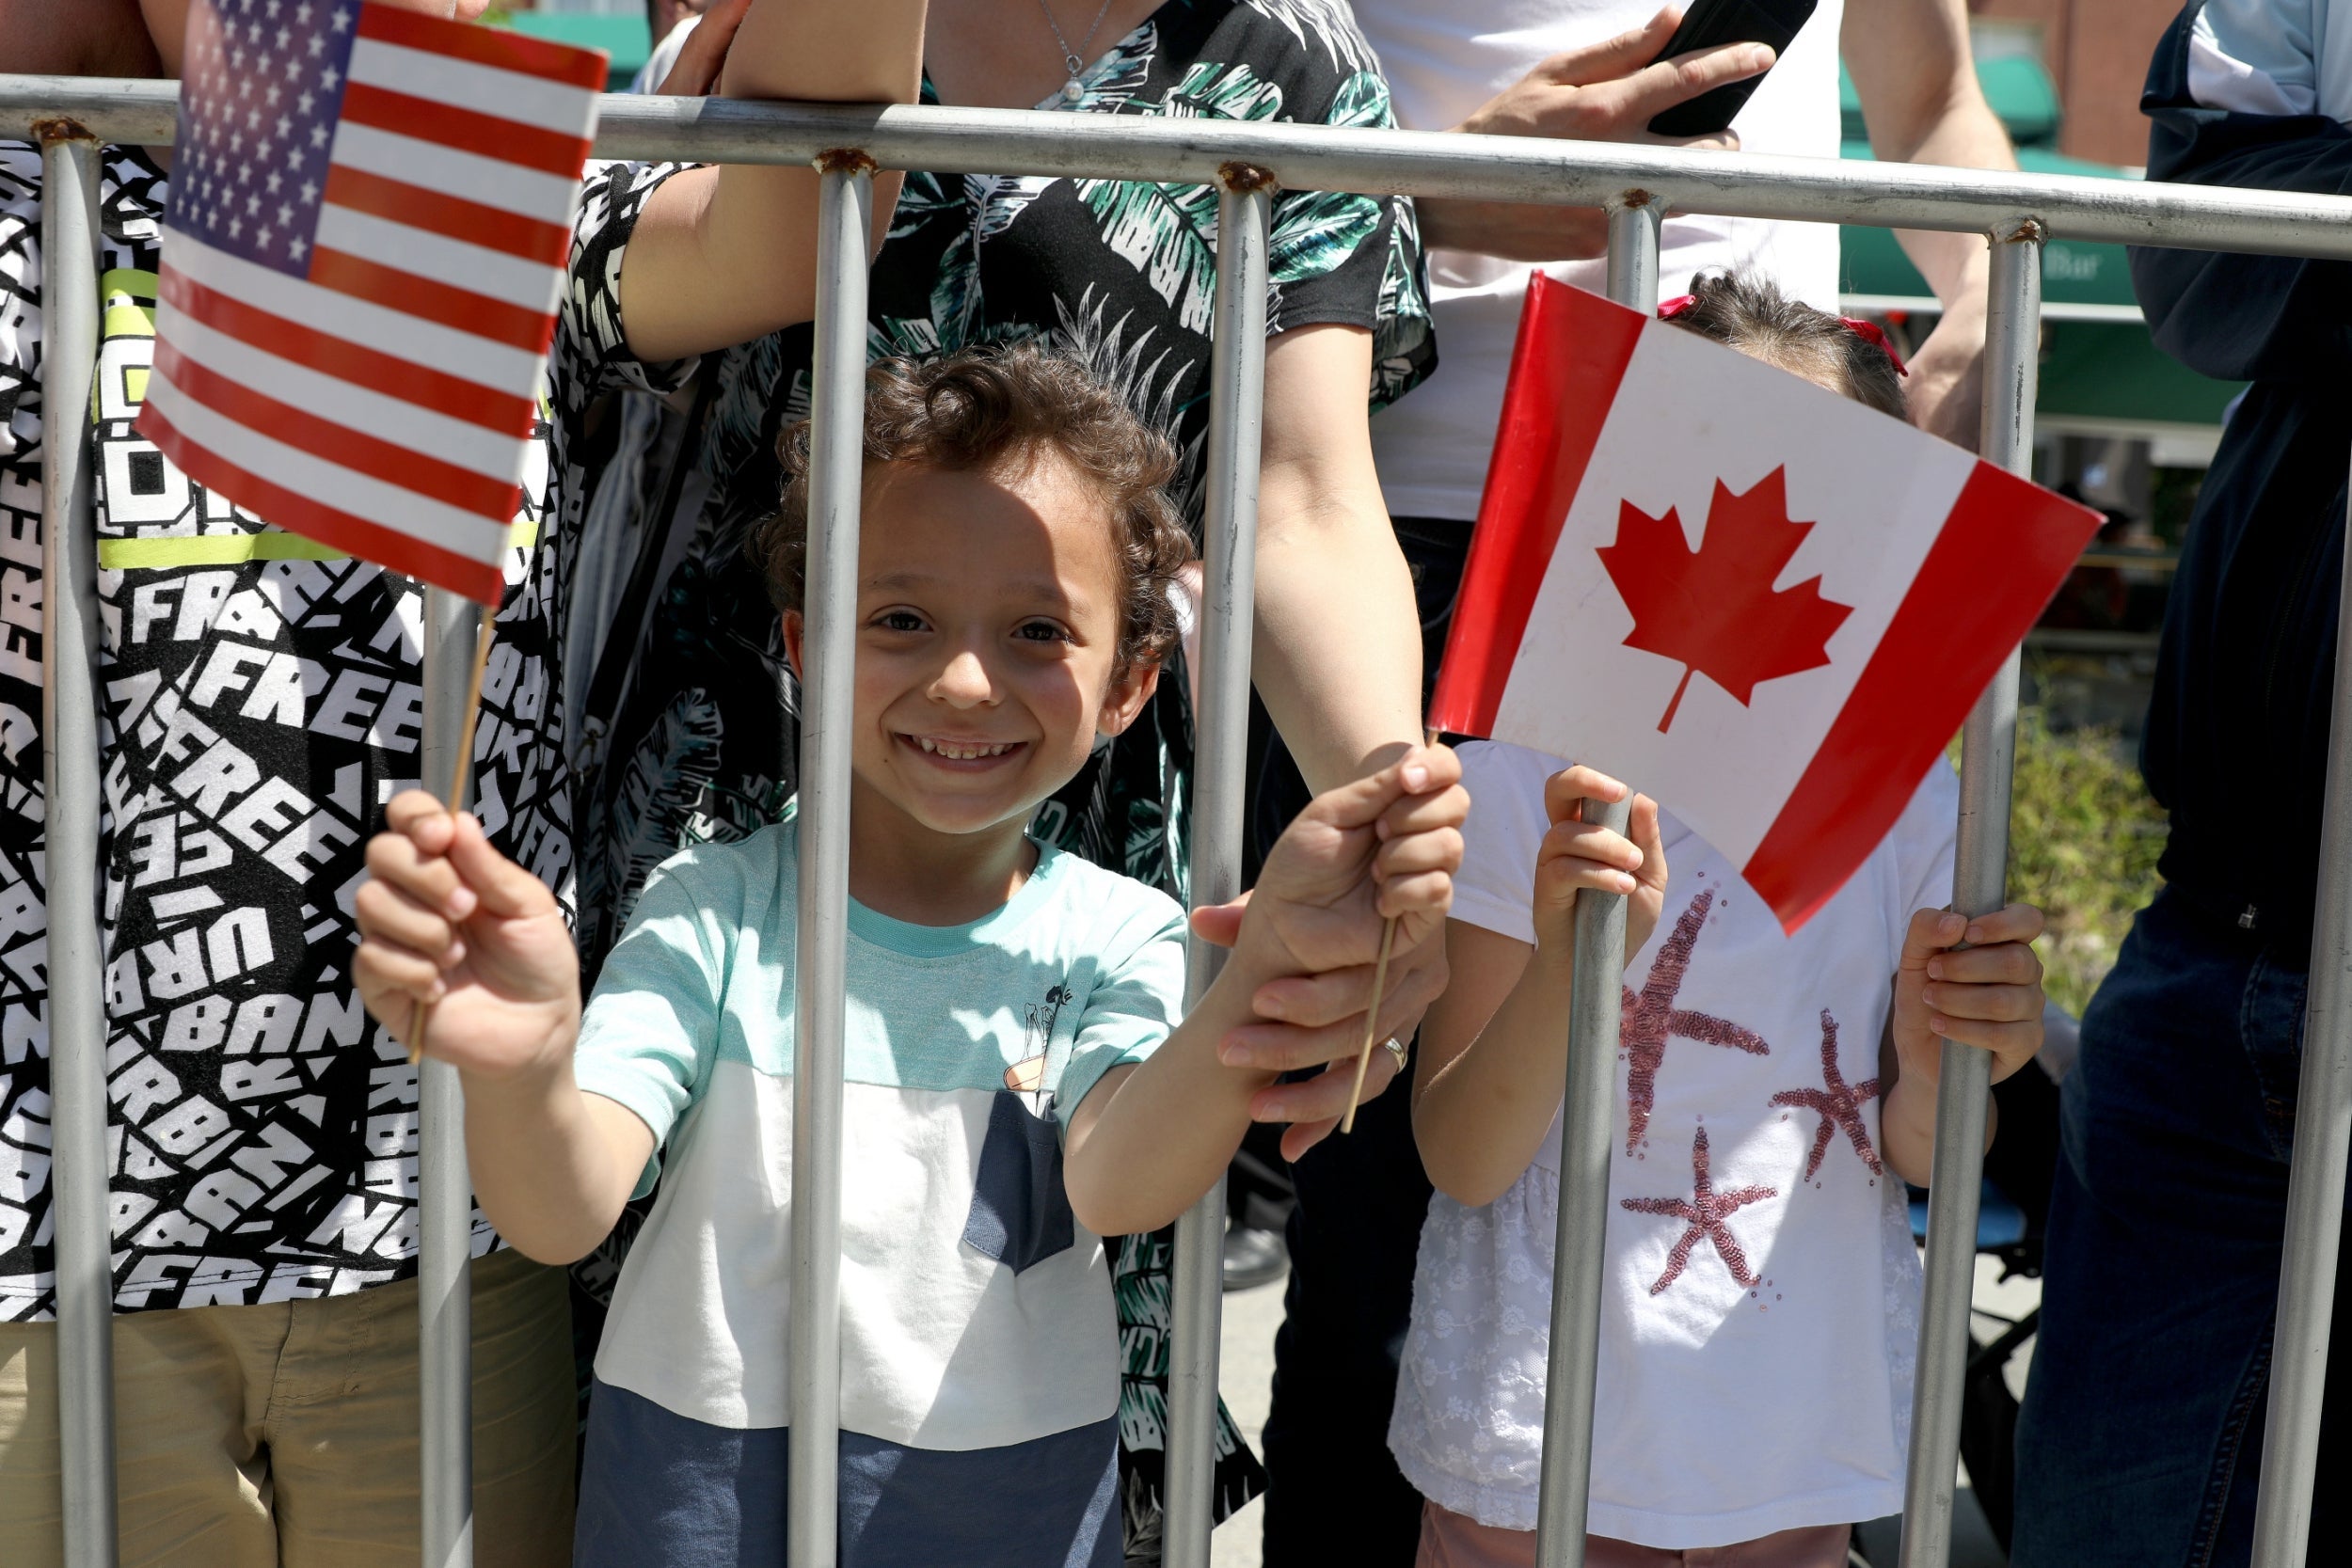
[2013, 1043]
[2016, 923]
[386, 912]
[1997, 1004]
[388, 973]
[1576, 855]
[1641, 828]
[396, 859]
[419, 815]
[1439, 849]
[506, 889]
[1565, 791]
[1429, 893]
[2004, 963]
[1422, 770]
[1930, 933]
[1421, 813]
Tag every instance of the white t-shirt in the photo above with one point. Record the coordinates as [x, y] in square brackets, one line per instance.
[1445, 60]
[1756, 1346]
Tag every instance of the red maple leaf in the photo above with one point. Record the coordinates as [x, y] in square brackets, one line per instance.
[1715, 609]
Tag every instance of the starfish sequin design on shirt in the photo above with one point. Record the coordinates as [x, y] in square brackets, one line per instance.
[1705, 1210]
[1839, 1104]
[1651, 1017]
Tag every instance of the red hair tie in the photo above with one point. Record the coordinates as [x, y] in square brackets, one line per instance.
[1869, 332]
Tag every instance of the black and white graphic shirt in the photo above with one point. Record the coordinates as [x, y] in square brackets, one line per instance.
[262, 701]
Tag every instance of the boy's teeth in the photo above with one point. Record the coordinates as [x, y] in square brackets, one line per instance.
[965, 752]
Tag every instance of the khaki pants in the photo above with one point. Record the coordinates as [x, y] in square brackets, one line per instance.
[285, 1435]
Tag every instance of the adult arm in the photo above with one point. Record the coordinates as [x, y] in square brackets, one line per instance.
[2234, 96]
[1336, 653]
[1922, 103]
[725, 254]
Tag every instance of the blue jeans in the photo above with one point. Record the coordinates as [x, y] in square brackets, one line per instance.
[2139, 1443]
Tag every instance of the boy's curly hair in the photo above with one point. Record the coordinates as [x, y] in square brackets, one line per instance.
[975, 407]
[1748, 312]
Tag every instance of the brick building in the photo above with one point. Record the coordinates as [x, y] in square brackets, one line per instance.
[2096, 52]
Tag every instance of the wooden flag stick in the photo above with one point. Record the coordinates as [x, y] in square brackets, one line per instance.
[422, 1013]
[1372, 1022]
[1379, 988]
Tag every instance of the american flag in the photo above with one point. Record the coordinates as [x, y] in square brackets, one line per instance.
[370, 215]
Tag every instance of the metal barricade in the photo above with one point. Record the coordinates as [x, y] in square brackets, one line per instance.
[1637, 184]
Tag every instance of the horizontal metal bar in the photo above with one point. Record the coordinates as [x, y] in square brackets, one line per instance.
[2052, 310]
[1317, 157]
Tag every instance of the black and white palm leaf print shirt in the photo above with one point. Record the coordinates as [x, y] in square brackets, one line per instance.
[1124, 273]
[260, 699]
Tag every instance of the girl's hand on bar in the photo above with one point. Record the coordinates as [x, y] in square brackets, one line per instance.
[1987, 994]
[1577, 855]
[447, 921]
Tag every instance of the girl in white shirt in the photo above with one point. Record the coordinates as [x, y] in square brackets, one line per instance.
[1760, 1299]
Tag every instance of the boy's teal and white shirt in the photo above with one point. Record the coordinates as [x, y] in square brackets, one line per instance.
[976, 1313]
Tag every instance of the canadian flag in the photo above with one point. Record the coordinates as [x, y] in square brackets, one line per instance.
[1766, 605]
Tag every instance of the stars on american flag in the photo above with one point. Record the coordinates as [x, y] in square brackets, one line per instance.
[265, 81]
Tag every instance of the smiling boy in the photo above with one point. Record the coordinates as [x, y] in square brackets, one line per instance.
[1012, 604]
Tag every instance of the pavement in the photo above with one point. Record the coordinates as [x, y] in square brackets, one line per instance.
[1246, 1375]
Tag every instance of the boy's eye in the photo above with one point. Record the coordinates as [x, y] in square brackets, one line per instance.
[1041, 631]
[898, 620]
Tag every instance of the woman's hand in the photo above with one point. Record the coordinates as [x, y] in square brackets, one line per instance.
[1606, 91]
[447, 921]
[1577, 855]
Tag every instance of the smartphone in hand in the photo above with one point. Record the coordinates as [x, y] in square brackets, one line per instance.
[1711, 23]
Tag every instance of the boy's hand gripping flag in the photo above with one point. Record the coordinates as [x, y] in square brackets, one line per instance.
[1767, 605]
[370, 210]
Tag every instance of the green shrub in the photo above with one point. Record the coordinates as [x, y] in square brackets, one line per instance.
[2084, 838]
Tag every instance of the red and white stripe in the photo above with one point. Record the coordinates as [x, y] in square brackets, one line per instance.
[1945, 560]
[384, 403]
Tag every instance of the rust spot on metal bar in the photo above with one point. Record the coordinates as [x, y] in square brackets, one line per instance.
[56, 128]
[1634, 201]
[846, 159]
[1245, 179]
[2029, 231]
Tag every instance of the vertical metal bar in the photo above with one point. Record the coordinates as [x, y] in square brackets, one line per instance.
[1587, 1112]
[1230, 525]
[829, 644]
[444, 1185]
[70, 782]
[1988, 748]
[2323, 1142]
